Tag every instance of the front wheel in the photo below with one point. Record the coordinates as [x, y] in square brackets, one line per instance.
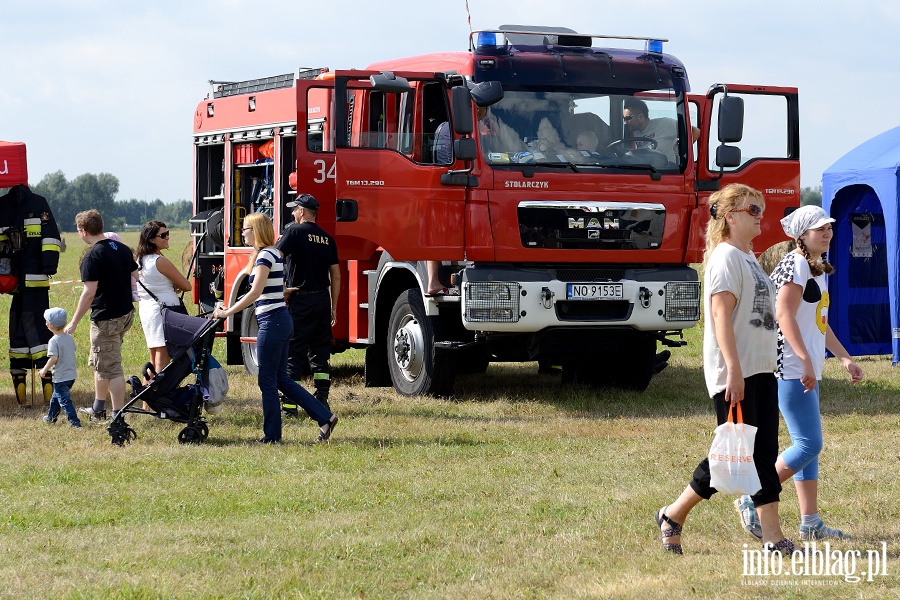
[249, 328]
[416, 367]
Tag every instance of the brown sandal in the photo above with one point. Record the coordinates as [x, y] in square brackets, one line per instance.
[675, 529]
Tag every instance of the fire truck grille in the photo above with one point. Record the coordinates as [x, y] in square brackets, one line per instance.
[587, 275]
[591, 225]
[604, 310]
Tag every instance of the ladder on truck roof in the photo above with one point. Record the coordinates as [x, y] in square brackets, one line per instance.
[222, 89]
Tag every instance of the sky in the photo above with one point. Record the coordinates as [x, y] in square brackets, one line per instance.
[95, 86]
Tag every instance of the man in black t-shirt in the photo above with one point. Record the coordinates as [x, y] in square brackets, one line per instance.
[106, 271]
[311, 267]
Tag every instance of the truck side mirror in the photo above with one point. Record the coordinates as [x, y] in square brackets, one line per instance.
[389, 83]
[728, 156]
[731, 119]
[464, 149]
[461, 103]
[487, 93]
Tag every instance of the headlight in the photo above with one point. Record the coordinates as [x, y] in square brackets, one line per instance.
[491, 302]
[683, 301]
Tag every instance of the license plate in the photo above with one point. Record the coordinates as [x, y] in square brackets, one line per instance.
[594, 291]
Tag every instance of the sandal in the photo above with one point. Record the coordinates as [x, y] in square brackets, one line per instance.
[785, 547]
[327, 428]
[674, 529]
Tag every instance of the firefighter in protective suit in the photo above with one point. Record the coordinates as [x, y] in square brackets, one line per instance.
[29, 239]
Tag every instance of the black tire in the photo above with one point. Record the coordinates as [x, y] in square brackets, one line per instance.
[204, 430]
[474, 361]
[635, 365]
[415, 366]
[630, 367]
[376, 373]
[249, 328]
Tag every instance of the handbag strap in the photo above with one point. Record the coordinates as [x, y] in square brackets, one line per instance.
[740, 416]
[152, 295]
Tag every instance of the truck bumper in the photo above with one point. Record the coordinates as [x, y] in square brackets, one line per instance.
[506, 298]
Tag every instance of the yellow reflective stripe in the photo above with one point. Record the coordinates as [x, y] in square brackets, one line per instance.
[32, 355]
[36, 281]
[321, 376]
[50, 248]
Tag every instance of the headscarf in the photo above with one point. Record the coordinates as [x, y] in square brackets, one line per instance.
[803, 219]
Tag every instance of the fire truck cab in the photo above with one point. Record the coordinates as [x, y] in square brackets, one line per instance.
[559, 188]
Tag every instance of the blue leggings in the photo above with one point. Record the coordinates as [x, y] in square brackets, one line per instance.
[804, 422]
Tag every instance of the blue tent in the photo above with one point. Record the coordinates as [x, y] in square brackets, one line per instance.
[861, 191]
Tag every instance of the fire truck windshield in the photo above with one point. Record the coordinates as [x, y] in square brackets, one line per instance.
[604, 129]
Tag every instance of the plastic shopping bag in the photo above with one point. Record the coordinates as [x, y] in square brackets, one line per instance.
[731, 466]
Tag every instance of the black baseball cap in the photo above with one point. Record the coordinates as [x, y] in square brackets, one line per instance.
[306, 201]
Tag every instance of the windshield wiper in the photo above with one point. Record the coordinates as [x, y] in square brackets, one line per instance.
[553, 165]
[655, 175]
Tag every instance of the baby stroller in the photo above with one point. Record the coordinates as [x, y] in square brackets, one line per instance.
[189, 342]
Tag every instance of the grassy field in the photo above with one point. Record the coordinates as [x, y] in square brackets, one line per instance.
[516, 488]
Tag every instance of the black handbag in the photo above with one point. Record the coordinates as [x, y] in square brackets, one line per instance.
[179, 308]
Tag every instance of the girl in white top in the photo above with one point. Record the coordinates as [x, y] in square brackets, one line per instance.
[801, 308]
[160, 276]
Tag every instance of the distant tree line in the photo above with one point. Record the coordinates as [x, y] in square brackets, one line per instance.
[68, 198]
[811, 195]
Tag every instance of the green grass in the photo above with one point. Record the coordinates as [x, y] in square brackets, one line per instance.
[516, 488]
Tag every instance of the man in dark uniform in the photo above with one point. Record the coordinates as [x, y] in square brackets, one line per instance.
[29, 250]
[311, 267]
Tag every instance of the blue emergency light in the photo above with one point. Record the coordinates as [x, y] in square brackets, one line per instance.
[485, 38]
[654, 46]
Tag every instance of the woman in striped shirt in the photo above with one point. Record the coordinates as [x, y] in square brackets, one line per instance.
[266, 270]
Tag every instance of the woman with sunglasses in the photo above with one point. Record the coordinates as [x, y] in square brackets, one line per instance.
[801, 309]
[738, 357]
[163, 279]
[266, 271]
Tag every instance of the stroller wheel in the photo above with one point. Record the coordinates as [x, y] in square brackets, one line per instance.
[120, 432]
[204, 430]
[190, 435]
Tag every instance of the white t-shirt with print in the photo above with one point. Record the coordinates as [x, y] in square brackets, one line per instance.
[812, 316]
[731, 270]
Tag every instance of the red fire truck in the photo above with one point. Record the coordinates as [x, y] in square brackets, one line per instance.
[559, 188]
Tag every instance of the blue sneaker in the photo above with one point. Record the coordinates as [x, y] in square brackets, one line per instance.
[749, 519]
[820, 531]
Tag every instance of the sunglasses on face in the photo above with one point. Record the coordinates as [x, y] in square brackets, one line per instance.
[754, 209]
[164, 235]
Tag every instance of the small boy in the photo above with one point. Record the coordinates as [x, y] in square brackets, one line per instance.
[61, 360]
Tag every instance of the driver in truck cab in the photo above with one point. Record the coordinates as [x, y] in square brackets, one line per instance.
[663, 130]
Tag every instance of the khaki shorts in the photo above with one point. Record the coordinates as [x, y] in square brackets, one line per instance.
[106, 345]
